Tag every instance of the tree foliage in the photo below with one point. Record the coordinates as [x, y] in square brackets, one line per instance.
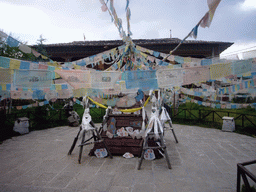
[16, 53]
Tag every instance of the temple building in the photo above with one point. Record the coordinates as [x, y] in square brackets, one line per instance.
[66, 52]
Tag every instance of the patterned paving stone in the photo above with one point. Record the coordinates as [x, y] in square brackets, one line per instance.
[205, 159]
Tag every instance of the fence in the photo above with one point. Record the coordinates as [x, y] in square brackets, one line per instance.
[242, 171]
[43, 118]
[245, 123]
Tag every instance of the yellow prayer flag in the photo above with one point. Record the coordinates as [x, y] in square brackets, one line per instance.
[147, 51]
[170, 66]
[247, 74]
[143, 54]
[3, 87]
[104, 102]
[14, 64]
[126, 48]
[55, 64]
[44, 57]
[57, 75]
[187, 59]
[57, 87]
[77, 67]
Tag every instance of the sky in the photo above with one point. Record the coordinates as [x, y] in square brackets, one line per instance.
[64, 21]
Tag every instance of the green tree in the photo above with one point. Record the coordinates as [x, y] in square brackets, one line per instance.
[40, 46]
[14, 52]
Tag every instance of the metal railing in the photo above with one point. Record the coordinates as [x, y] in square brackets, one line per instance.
[242, 121]
[244, 172]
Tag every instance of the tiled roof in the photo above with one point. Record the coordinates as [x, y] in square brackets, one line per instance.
[136, 41]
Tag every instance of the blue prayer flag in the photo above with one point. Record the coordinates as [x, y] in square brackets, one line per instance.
[24, 65]
[8, 87]
[156, 54]
[12, 42]
[64, 86]
[4, 62]
[24, 106]
[205, 62]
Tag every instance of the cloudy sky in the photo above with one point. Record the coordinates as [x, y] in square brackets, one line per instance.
[63, 21]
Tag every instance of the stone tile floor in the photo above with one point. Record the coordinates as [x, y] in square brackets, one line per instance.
[205, 159]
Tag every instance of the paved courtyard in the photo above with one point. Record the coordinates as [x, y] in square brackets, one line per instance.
[204, 160]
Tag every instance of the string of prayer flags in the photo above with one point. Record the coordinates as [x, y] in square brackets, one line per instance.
[204, 22]
[128, 17]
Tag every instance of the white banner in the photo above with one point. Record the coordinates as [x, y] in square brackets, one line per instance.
[169, 77]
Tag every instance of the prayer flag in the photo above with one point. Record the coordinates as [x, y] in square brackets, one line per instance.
[12, 42]
[104, 79]
[32, 78]
[207, 19]
[15, 94]
[76, 78]
[24, 48]
[168, 78]
[52, 94]
[26, 95]
[104, 8]
[4, 94]
[35, 53]
[64, 94]
[241, 66]
[4, 62]
[6, 75]
[24, 65]
[38, 94]
[3, 35]
[218, 71]
[196, 74]
[14, 64]
[44, 57]
[42, 66]
[193, 33]
[145, 80]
